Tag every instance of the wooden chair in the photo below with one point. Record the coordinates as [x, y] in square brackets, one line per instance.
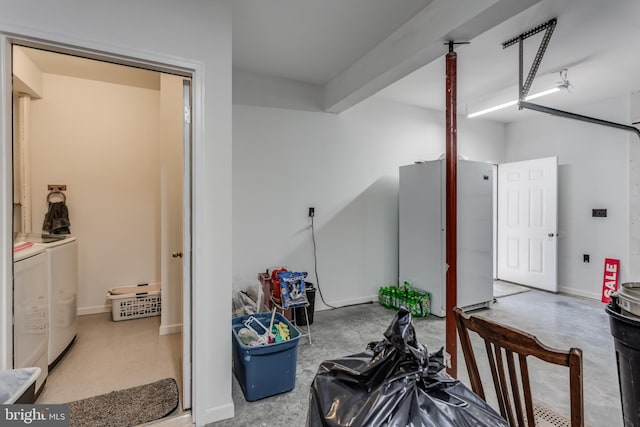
[502, 343]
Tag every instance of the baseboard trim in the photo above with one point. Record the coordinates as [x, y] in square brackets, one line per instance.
[82, 311]
[176, 328]
[219, 413]
[319, 306]
[579, 293]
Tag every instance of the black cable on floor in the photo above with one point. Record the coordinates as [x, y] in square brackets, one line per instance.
[315, 266]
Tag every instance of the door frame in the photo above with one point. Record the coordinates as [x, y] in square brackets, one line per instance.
[123, 56]
[187, 235]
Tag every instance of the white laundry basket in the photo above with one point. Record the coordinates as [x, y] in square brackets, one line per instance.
[134, 302]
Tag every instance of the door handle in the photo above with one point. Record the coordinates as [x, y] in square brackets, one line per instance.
[550, 234]
[176, 254]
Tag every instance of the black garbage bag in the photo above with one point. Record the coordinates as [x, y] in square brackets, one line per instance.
[396, 383]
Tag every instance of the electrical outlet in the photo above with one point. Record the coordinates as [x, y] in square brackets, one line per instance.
[312, 212]
[599, 213]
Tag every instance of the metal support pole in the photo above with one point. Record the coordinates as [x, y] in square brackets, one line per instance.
[451, 211]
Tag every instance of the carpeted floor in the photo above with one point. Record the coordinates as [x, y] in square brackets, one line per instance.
[129, 407]
[503, 289]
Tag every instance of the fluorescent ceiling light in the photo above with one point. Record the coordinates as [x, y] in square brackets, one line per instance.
[512, 103]
[543, 93]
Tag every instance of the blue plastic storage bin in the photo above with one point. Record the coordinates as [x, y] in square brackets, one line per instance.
[265, 370]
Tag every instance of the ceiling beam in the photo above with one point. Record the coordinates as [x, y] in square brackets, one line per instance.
[415, 44]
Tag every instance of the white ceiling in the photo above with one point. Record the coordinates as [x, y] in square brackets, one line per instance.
[314, 41]
[347, 45]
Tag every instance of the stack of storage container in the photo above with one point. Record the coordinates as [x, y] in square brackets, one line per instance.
[406, 296]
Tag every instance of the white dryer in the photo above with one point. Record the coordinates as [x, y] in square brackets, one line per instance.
[62, 252]
[31, 309]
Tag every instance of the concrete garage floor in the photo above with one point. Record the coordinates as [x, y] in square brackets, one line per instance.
[557, 320]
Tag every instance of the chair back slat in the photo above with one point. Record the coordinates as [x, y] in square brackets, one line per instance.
[515, 388]
[472, 366]
[493, 365]
[503, 386]
[526, 386]
[502, 343]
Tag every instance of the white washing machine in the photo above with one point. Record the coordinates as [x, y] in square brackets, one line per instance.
[62, 252]
[31, 309]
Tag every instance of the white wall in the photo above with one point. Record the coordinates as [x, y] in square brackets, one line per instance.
[101, 140]
[27, 84]
[155, 30]
[251, 88]
[27, 77]
[346, 166]
[17, 180]
[593, 172]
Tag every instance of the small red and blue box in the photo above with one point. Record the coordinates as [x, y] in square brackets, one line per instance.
[265, 370]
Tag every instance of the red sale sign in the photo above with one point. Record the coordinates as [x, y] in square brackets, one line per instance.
[610, 280]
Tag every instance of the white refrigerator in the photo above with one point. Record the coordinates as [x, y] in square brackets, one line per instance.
[422, 233]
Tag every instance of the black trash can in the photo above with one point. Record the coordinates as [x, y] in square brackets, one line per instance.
[626, 332]
[298, 313]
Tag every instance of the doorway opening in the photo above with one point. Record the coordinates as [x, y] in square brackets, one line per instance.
[100, 125]
[526, 225]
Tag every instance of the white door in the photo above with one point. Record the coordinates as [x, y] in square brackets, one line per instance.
[527, 223]
[175, 218]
